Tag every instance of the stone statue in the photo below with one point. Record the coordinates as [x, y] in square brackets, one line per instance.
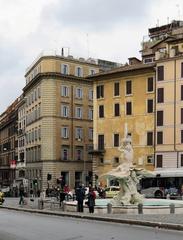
[127, 175]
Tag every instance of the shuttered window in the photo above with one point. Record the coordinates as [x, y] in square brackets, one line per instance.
[160, 95]
[116, 109]
[160, 137]
[116, 140]
[116, 89]
[159, 161]
[150, 84]
[160, 73]
[149, 138]
[128, 108]
[159, 118]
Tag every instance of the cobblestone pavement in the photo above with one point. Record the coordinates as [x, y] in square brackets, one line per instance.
[158, 218]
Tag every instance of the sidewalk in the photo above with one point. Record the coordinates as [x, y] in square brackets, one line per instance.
[168, 221]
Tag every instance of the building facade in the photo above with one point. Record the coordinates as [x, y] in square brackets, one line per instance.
[21, 161]
[165, 48]
[8, 145]
[59, 121]
[124, 95]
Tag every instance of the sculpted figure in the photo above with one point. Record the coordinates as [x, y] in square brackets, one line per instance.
[127, 175]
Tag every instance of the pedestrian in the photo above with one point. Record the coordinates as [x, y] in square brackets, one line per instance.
[66, 191]
[91, 200]
[62, 198]
[21, 195]
[80, 195]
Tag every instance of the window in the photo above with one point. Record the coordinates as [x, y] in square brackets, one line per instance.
[116, 89]
[150, 105]
[182, 70]
[128, 108]
[79, 154]
[150, 84]
[159, 161]
[116, 109]
[149, 138]
[79, 133]
[116, 140]
[116, 160]
[90, 113]
[159, 137]
[79, 93]
[100, 91]
[181, 92]
[159, 118]
[90, 94]
[79, 112]
[181, 115]
[160, 95]
[128, 87]
[101, 142]
[65, 151]
[90, 133]
[64, 91]
[39, 92]
[181, 136]
[150, 159]
[101, 111]
[79, 72]
[181, 160]
[160, 73]
[64, 111]
[92, 71]
[64, 69]
[65, 132]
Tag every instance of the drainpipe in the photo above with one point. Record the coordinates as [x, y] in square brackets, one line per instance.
[175, 117]
[155, 117]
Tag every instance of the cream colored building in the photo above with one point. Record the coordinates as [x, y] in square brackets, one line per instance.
[59, 114]
[169, 109]
[165, 48]
[124, 95]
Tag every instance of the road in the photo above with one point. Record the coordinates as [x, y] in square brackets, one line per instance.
[26, 226]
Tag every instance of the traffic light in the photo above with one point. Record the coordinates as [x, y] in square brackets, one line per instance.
[49, 176]
[35, 182]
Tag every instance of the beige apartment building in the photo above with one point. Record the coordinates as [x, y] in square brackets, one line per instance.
[124, 95]
[165, 48]
[59, 127]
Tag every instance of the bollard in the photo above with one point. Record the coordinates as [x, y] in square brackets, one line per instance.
[40, 204]
[64, 206]
[109, 208]
[172, 208]
[140, 208]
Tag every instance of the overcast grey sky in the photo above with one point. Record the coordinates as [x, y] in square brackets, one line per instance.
[107, 29]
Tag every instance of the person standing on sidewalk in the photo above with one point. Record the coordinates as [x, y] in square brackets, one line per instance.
[21, 195]
[80, 195]
[91, 200]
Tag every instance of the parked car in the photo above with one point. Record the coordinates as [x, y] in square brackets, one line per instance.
[111, 191]
[172, 192]
[153, 192]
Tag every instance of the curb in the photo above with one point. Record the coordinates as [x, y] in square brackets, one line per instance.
[169, 226]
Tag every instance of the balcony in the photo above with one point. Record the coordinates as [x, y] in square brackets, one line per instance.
[20, 165]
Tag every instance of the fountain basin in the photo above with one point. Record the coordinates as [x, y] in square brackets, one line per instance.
[150, 206]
